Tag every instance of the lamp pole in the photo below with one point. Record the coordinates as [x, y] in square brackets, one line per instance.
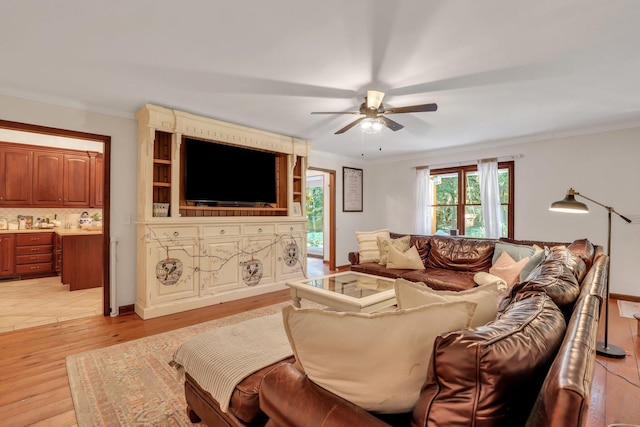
[603, 348]
[569, 204]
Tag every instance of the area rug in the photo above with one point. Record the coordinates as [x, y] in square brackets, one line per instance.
[628, 308]
[132, 384]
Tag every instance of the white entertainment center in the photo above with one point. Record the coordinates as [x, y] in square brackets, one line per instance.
[199, 255]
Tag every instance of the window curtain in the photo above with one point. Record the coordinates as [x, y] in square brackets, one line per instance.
[423, 202]
[490, 197]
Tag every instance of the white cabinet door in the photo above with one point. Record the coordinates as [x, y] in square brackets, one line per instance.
[172, 267]
[256, 261]
[291, 257]
[220, 265]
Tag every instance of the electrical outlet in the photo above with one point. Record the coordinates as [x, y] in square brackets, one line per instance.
[126, 220]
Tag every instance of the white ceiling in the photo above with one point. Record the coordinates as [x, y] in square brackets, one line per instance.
[497, 69]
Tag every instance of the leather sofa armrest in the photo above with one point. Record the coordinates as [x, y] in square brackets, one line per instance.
[354, 258]
[290, 399]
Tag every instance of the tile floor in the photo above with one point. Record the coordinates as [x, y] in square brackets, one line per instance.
[35, 302]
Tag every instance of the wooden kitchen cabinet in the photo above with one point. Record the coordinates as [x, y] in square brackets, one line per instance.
[76, 184]
[33, 176]
[82, 262]
[15, 176]
[47, 178]
[96, 197]
[34, 253]
[7, 254]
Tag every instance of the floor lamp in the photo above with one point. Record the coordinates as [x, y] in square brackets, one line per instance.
[571, 205]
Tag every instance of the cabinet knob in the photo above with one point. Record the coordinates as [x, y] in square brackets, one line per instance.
[221, 231]
[290, 228]
[259, 230]
[35, 239]
[176, 234]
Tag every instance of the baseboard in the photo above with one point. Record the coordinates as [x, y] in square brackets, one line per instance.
[345, 267]
[126, 310]
[623, 297]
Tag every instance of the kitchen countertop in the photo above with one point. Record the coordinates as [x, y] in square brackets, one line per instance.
[58, 230]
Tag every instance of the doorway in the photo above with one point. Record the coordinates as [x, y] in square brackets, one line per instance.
[41, 135]
[320, 207]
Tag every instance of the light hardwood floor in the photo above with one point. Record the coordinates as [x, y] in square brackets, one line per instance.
[34, 389]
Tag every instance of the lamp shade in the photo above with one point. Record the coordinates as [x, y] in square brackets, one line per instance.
[569, 204]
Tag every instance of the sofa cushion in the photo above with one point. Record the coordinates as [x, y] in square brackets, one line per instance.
[553, 277]
[244, 402]
[574, 262]
[376, 361]
[409, 259]
[460, 254]
[440, 278]
[378, 270]
[401, 243]
[507, 268]
[489, 375]
[584, 249]
[416, 294]
[368, 244]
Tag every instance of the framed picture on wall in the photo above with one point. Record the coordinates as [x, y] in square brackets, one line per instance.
[351, 189]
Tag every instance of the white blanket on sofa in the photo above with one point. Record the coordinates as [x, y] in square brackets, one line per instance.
[219, 359]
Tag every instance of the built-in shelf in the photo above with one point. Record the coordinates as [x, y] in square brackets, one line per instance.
[162, 184]
[162, 162]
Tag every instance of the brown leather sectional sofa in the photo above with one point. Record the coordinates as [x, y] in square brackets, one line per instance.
[532, 366]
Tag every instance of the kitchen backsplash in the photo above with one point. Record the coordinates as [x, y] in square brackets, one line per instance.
[65, 216]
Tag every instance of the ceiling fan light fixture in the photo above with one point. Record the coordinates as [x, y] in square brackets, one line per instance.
[370, 125]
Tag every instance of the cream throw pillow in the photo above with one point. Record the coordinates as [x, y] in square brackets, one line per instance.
[368, 244]
[416, 294]
[407, 260]
[401, 243]
[482, 278]
[376, 361]
[507, 269]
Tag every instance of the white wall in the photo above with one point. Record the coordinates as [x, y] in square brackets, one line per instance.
[123, 133]
[603, 166]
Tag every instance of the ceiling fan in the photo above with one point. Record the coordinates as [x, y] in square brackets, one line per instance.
[373, 110]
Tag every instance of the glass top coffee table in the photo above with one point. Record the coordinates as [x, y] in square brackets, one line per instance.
[348, 291]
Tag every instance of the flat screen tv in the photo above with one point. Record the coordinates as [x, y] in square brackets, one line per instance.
[225, 175]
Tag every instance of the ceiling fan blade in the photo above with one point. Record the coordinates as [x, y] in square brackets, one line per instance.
[350, 125]
[394, 126]
[374, 99]
[335, 112]
[411, 109]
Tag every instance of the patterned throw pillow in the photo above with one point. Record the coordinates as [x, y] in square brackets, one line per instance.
[401, 244]
[368, 244]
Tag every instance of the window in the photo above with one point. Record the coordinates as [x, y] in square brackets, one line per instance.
[456, 200]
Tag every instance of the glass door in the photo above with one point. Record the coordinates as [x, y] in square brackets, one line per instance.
[315, 214]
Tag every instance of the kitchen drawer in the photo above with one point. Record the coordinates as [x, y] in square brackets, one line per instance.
[29, 250]
[221, 231]
[259, 229]
[34, 239]
[291, 228]
[34, 268]
[34, 259]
